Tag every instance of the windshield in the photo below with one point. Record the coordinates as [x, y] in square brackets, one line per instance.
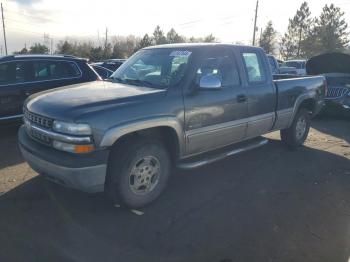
[156, 68]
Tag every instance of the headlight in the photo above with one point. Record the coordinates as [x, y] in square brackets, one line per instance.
[71, 128]
[72, 148]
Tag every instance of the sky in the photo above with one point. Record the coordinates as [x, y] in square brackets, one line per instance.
[230, 21]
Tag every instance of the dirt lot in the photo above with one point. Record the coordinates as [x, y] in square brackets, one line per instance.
[270, 204]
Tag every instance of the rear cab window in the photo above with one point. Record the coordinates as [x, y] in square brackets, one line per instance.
[254, 68]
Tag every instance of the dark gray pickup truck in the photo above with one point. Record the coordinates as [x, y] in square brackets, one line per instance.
[172, 105]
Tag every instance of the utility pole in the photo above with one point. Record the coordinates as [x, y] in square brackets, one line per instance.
[106, 44]
[255, 20]
[51, 46]
[106, 40]
[3, 27]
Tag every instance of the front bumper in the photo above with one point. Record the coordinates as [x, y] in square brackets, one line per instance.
[85, 172]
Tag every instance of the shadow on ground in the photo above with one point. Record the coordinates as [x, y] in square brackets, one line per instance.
[330, 125]
[269, 204]
[9, 151]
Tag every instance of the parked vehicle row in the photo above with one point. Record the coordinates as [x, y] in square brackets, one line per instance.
[336, 68]
[280, 69]
[103, 72]
[24, 75]
[106, 68]
[298, 65]
[173, 105]
[111, 64]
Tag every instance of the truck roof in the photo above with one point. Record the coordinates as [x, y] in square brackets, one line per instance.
[196, 45]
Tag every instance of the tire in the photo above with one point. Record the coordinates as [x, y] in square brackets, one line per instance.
[138, 172]
[296, 134]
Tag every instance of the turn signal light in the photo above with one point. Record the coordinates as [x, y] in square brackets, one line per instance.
[80, 149]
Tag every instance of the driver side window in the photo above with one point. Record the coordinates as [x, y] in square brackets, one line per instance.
[221, 66]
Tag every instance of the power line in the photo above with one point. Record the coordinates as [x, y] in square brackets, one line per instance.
[32, 17]
[23, 30]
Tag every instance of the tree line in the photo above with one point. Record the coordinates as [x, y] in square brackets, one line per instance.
[307, 36]
[116, 46]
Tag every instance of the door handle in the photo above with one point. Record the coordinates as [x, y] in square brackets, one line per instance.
[241, 98]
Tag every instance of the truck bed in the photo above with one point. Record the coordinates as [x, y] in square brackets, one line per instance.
[292, 91]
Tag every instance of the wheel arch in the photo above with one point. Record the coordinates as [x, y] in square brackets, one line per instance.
[306, 101]
[167, 130]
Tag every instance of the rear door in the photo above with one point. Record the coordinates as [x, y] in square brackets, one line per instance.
[13, 77]
[47, 74]
[261, 92]
[215, 118]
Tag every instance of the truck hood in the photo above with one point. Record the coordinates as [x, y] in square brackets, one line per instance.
[328, 63]
[70, 102]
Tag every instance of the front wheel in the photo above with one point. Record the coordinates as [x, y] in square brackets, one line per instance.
[138, 173]
[296, 134]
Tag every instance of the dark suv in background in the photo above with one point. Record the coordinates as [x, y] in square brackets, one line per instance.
[111, 64]
[23, 75]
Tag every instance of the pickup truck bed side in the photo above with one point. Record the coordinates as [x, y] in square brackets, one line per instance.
[292, 93]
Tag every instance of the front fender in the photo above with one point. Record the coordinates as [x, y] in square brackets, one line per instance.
[116, 132]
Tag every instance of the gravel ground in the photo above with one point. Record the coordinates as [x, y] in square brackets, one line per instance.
[269, 204]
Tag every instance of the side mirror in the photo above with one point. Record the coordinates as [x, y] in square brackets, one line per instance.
[210, 82]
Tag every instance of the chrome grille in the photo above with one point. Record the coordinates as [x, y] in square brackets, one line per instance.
[39, 136]
[336, 92]
[37, 119]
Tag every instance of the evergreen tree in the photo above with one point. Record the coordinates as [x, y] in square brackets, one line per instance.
[158, 36]
[173, 37]
[22, 52]
[38, 48]
[292, 42]
[144, 42]
[268, 39]
[65, 48]
[209, 39]
[330, 32]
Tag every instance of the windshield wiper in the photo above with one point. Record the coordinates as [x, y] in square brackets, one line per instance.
[136, 82]
[139, 82]
[117, 79]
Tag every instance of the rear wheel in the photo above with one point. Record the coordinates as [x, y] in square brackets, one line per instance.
[138, 172]
[296, 134]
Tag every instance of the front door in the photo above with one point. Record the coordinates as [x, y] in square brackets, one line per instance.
[215, 118]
